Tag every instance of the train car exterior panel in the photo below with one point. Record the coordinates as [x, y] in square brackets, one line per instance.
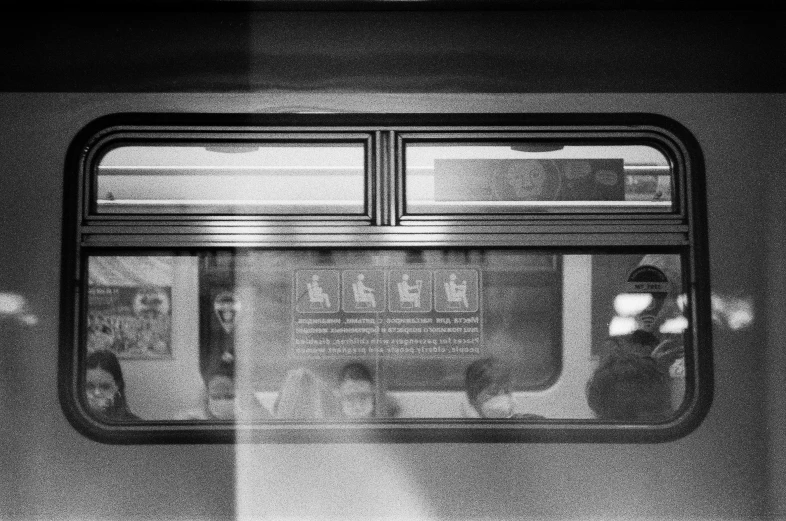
[731, 467]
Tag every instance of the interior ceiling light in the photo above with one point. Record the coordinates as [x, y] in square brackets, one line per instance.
[536, 147]
[232, 149]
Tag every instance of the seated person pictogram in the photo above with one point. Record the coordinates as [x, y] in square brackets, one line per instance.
[364, 296]
[409, 294]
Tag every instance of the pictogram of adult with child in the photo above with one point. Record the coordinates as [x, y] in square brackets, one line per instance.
[410, 291]
[456, 291]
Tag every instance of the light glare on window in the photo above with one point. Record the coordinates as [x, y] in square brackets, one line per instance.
[736, 313]
[676, 326]
[620, 326]
[14, 305]
[631, 304]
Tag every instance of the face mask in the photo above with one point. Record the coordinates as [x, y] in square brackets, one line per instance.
[222, 408]
[358, 406]
[500, 406]
[357, 398]
[100, 402]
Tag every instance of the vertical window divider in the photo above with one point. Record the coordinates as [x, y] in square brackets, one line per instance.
[397, 158]
[374, 193]
[387, 175]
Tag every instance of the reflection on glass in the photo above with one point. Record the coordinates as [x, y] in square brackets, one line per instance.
[630, 386]
[466, 178]
[353, 335]
[268, 178]
[733, 312]
[638, 377]
[15, 306]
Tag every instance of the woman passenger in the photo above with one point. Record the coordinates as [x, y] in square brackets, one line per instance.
[105, 388]
[304, 396]
[219, 399]
[490, 390]
[220, 396]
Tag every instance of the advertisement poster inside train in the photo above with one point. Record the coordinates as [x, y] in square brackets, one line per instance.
[529, 180]
[387, 313]
[131, 321]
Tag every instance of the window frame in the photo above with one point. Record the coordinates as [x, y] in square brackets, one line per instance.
[139, 135]
[581, 138]
[122, 139]
[385, 223]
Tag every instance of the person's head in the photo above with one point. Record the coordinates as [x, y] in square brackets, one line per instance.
[220, 383]
[488, 386]
[305, 396]
[356, 389]
[104, 384]
[628, 386]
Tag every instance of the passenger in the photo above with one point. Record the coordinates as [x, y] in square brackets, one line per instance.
[489, 390]
[220, 401]
[628, 386]
[668, 352]
[644, 343]
[220, 397]
[105, 388]
[304, 396]
[639, 341]
[358, 397]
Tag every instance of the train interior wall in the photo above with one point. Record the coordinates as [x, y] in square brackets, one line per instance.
[170, 388]
[733, 466]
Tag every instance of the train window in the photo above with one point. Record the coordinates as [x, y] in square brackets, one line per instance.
[520, 176]
[415, 320]
[395, 300]
[282, 177]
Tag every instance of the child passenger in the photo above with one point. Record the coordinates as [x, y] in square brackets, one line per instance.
[358, 394]
[489, 390]
[219, 399]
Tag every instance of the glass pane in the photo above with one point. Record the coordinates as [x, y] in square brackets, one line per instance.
[266, 178]
[342, 334]
[521, 177]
